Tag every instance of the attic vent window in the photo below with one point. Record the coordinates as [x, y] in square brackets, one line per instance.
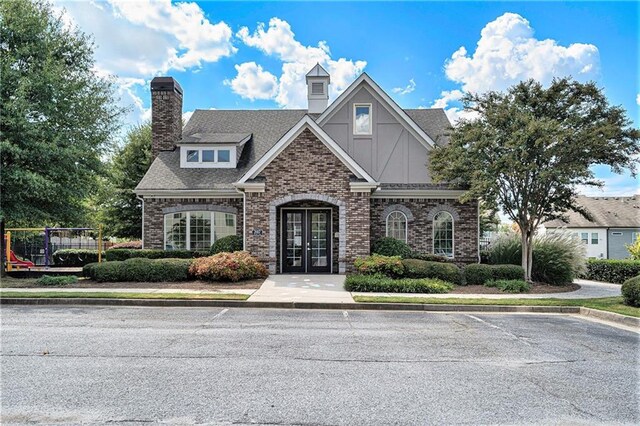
[361, 119]
[317, 88]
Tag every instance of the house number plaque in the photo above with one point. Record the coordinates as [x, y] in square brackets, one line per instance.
[257, 231]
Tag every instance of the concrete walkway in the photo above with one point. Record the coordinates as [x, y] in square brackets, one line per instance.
[303, 288]
[330, 288]
[588, 289]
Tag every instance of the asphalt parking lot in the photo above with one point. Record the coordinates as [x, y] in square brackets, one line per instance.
[131, 365]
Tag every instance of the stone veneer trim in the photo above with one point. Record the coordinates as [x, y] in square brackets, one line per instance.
[342, 224]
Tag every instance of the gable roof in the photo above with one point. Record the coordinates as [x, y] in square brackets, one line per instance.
[306, 122]
[607, 212]
[401, 115]
[318, 71]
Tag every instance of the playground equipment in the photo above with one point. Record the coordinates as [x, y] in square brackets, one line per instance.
[52, 239]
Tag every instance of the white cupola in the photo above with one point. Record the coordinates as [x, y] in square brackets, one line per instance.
[318, 81]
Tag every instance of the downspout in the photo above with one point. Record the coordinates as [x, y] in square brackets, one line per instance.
[142, 200]
[244, 219]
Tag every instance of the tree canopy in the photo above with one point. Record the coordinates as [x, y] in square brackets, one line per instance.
[121, 210]
[57, 117]
[531, 148]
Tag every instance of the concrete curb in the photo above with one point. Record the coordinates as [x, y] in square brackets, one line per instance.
[291, 305]
[611, 317]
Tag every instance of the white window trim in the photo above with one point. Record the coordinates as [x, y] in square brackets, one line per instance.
[207, 164]
[406, 224]
[453, 234]
[188, 225]
[370, 106]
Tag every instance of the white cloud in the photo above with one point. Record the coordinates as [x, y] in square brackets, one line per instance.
[507, 53]
[252, 82]
[278, 40]
[614, 186]
[136, 40]
[405, 90]
[638, 99]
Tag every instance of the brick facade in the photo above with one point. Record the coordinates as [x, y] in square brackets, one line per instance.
[420, 224]
[155, 209]
[166, 114]
[307, 169]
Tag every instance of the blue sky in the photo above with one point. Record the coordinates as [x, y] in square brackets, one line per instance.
[254, 55]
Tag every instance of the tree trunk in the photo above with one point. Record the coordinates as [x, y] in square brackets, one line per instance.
[526, 236]
[525, 254]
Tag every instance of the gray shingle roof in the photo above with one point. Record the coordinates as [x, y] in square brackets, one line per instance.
[433, 121]
[215, 138]
[607, 212]
[266, 127]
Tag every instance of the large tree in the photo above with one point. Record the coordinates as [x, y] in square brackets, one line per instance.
[121, 210]
[530, 148]
[57, 117]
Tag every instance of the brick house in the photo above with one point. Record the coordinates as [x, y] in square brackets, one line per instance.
[309, 190]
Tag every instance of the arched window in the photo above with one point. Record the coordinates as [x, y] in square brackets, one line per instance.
[443, 234]
[397, 226]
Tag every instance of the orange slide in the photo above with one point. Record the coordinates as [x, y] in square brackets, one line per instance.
[19, 262]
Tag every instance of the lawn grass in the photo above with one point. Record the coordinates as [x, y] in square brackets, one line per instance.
[610, 304]
[121, 295]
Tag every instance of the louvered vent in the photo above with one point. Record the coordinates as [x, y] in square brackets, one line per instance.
[317, 89]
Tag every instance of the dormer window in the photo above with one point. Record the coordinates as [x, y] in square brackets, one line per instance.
[361, 119]
[223, 157]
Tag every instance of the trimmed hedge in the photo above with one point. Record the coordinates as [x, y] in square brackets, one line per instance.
[631, 291]
[228, 244]
[233, 267]
[141, 270]
[88, 270]
[507, 272]
[390, 266]
[611, 270]
[124, 254]
[430, 257]
[388, 246]
[477, 274]
[510, 286]
[389, 285]
[415, 268]
[48, 280]
[74, 257]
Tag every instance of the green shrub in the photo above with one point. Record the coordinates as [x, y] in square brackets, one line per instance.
[631, 291]
[415, 268]
[510, 286]
[477, 274]
[124, 254]
[142, 270]
[390, 285]
[88, 270]
[48, 280]
[388, 246]
[558, 258]
[611, 270]
[429, 257]
[390, 266]
[233, 267]
[74, 257]
[227, 244]
[507, 272]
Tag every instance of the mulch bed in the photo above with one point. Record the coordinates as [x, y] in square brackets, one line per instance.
[185, 285]
[536, 288]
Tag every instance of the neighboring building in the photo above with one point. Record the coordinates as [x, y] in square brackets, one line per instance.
[615, 224]
[309, 190]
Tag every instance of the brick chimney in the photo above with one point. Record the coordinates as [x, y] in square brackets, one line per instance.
[166, 114]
